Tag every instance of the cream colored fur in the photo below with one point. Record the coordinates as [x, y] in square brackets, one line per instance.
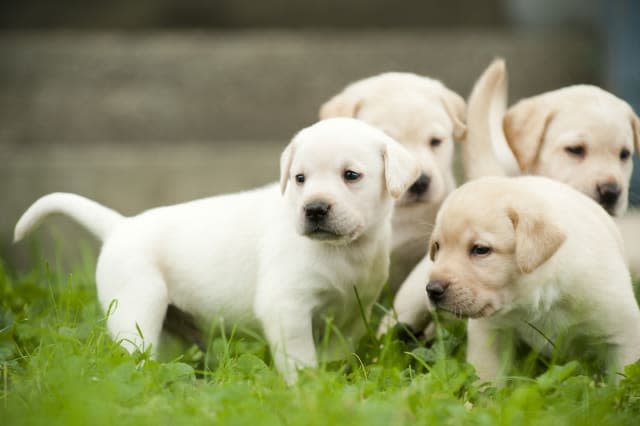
[526, 253]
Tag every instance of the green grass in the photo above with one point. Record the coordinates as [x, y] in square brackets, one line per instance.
[58, 366]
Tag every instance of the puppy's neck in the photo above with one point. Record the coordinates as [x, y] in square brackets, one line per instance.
[537, 295]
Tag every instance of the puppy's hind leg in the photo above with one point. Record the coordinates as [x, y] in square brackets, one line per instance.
[137, 297]
[411, 303]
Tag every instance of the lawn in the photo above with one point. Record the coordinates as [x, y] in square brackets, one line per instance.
[59, 366]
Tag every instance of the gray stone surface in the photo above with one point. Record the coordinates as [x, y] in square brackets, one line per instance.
[165, 87]
[129, 178]
[140, 14]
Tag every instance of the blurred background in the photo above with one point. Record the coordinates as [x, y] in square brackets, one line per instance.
[151, 102]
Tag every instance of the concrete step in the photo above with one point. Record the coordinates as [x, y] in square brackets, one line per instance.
[250, 85]
[129, 178]
[125, 14]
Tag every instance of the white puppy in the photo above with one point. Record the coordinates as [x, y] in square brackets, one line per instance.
[426, 118]
[257, 259]
[531, 258]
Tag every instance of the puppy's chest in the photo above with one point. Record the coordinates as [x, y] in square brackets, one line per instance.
[366, 280]
[359, 283]
[340, 316]
[550, 330]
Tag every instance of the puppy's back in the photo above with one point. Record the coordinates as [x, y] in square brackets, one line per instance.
[573, 208]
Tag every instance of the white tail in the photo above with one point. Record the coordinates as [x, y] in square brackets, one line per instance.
[98, 219]
[485, 151]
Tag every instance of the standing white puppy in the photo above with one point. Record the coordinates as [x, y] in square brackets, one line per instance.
[280, 260]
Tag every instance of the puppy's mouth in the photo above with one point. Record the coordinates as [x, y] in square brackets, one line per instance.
[611, 209]
[609, 196]
[464, 312]
[409, 199]
[318, 233]
[331, 236]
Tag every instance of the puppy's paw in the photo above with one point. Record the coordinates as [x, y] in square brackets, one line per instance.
[388, 322]
[402, 331]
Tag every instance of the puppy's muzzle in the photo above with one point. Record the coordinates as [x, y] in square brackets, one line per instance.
[436, 290]
[316, 211]
[420, 186]
[608, 195]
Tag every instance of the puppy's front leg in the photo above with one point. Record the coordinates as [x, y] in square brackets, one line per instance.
[411, 304]
[288, 330]
[487, 349]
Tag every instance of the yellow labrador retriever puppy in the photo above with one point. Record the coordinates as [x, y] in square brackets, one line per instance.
[425, 117]
[531, 258]
[279, 259]
[580, 135]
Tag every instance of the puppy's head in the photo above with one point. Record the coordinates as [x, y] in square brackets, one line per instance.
[487, 234]
[340, 176]
[420, 113]
[580, 135]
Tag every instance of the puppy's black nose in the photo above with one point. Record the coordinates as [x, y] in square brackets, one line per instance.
[608, 194]
[316, 211]
[421, 185]
[436, 290]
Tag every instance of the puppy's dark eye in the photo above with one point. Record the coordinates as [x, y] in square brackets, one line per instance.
[577, 150]
[435, 142]
[624, 154]
[351, 176]
[434, 250]
[478, 250]
[300, 178]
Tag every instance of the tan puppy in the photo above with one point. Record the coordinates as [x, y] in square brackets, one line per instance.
[579, 135]
[425, 117]
[518, 255]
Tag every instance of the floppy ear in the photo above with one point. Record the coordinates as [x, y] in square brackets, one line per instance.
[344, 104]
[537, 239]
[525, 125]
[285, 165]
[400, 168]
[635, 125]
[456, 107]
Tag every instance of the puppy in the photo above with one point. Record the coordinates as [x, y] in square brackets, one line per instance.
[425, 117]
[514, 256]
[580, 135]
[279, 259]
